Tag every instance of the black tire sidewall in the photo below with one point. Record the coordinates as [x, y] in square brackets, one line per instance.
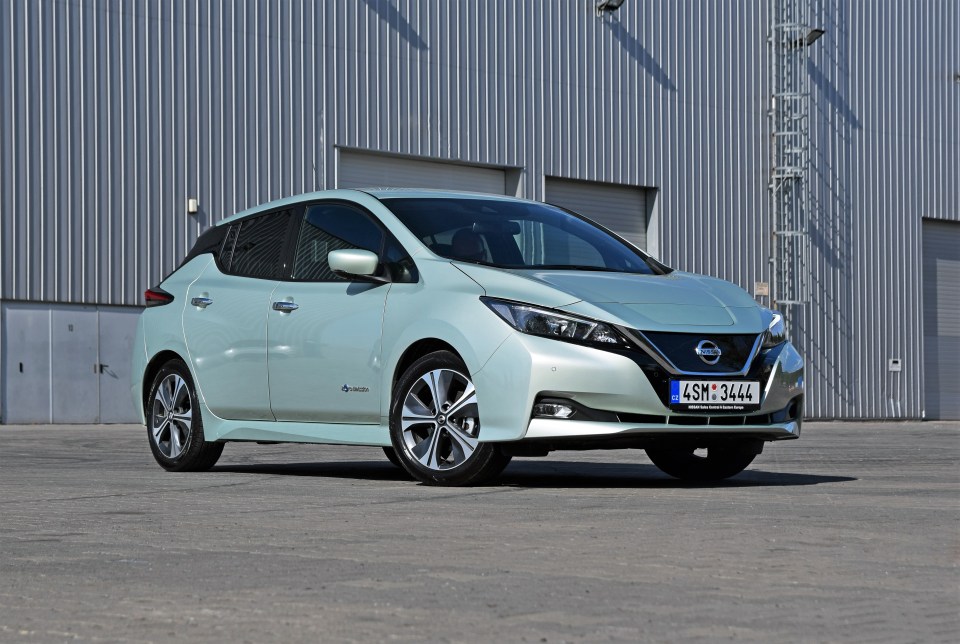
[192, 453]
[720, 462]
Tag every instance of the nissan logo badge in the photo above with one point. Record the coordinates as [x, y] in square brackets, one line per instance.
[709, 352]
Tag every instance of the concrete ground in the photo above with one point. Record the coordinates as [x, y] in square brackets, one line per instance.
[849, 534]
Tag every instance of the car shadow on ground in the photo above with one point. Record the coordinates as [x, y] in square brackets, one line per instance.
[539, 474]
[556, 474]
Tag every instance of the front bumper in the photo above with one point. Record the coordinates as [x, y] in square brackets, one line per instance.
[627, 390]
[552, 428]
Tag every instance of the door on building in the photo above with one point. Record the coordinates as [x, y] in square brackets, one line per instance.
[366, 170]
[74, 365]
[941, 319]
[117, 330]
[26, 363]
[626, 210]
[67, 363]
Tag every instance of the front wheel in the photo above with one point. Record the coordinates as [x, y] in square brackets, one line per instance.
[174, 425]
[719, 462]
[435, 424]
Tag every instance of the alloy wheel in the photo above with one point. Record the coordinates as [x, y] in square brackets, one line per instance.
[172, 417]
[439, 420]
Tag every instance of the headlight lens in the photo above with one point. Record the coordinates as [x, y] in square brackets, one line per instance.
[776, 332]
[548, 323]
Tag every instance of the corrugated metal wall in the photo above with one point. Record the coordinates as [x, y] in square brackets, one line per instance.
[886, 153]
[113, 113]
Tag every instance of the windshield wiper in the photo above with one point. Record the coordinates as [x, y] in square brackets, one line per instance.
[574, 267]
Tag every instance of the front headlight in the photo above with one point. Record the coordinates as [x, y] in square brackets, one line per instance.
[548, 323]
[776, 332]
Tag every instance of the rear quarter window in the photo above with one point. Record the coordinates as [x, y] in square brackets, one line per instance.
[257, 250]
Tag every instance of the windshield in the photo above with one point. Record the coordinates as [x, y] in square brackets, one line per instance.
[514, 234]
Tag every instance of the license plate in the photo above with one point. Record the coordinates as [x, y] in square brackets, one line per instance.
[714, 395]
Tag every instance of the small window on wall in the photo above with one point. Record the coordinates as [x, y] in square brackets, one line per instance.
[258, 247]
[329, 227]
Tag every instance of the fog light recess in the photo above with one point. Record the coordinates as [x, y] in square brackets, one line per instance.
[552, 410]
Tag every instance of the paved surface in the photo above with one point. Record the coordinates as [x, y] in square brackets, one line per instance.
[850, 534]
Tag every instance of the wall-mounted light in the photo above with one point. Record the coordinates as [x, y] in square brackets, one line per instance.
[813, 36]
[805, 40]
[192, 206]
[608, 6]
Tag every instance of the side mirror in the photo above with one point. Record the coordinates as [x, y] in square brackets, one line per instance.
[355, 263]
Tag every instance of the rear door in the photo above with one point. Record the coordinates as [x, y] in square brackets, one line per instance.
[225, 318]
[324, 355]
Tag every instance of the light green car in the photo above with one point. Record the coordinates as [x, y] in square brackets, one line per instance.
[455, 330]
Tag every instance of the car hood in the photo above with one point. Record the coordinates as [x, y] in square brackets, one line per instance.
[675, 302]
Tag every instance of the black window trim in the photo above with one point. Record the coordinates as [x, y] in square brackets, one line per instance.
[197, 250]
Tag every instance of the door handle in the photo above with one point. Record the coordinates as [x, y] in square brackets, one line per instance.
[285, 307]
[202, 302]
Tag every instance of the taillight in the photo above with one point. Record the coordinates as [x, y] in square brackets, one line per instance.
[156, 296]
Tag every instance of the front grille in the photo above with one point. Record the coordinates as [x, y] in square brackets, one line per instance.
[681, 350]
[660, 378]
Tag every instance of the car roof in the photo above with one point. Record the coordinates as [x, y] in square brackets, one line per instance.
[379, 193]
[427, 193]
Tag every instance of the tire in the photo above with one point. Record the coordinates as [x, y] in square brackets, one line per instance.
[719, 463]
[437, 443]
[174, 425]
[392, 456]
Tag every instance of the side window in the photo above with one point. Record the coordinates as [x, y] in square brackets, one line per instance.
[258, 247]
[328, 227]
[226, 251]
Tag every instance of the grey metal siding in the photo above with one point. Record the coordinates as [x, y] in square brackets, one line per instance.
[113, 113]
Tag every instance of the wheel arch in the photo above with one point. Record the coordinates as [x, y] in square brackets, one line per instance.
[416, 351]
[156, 363]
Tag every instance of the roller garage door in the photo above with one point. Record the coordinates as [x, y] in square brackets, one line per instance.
[623, 209]
[364, 170]
[941, 319]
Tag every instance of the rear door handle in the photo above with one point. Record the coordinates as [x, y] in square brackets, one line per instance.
[202, 302]
[285, 307]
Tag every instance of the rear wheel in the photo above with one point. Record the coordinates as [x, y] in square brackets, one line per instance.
[719, 462]
[435, 424]
[174, 425]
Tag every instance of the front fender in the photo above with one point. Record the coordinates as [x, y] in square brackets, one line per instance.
[450, 311]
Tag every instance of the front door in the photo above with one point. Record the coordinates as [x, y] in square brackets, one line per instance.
[324, 331]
